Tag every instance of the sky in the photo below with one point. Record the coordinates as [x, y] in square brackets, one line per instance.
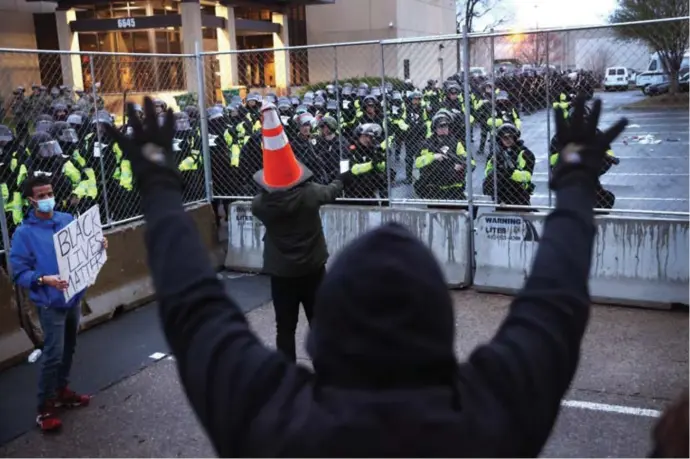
[530, 14]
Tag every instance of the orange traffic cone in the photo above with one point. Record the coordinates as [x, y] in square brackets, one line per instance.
[281, 169]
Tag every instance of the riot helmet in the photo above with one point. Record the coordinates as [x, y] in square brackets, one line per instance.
[440, 121]
[182, 123]
[214, 113]
[6, 136]
[508, 134]
[319, 102]
[369, 134]
[42, 145]
[330, 123]
[64, 133]
[159, 105]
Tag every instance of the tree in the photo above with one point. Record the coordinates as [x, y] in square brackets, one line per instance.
[669, 39]
[487, 14]
[472, 13]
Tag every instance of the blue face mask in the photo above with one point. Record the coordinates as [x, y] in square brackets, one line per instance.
[46, 205]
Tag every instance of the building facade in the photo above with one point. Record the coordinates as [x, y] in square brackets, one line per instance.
[245, 35]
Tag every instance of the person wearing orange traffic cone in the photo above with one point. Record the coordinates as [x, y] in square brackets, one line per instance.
[295, 251]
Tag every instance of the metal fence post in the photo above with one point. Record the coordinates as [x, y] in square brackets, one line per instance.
[385, 121]
[337, 101]
[468, 141]
[104, 183]
[548, 119]
[492, 149]
[203, 119]
[5, 237]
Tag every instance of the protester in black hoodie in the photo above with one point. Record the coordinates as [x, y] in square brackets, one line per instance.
[386, 381]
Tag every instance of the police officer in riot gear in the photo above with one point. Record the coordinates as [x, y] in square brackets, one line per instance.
[188, 157]
[43, 123]
[514, 164]
[47, 158]
[13, 171]
[253, 106]
[21, 111]
[370, 113]
[304, 145]
[416, 117]
[605, 198]
[59, 111]
[330, 148]
[442, 163]
[367, 161]
[286, 114]
[68, 140]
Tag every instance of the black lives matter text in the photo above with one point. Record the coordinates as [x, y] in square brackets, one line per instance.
[80, 252]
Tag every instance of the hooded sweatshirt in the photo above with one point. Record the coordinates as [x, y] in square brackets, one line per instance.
[294, 244]
[385, 380]
[32, 255]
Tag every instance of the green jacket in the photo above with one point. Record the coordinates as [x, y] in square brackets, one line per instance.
[294, 244]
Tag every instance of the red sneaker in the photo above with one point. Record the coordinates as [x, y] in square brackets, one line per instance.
[47, 419]
[70, 399]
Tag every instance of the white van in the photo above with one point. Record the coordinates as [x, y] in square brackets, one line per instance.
[656, 73]
[616, 78]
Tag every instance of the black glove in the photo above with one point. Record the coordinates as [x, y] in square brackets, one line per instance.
[347, 177]
[150, 149]
[582, 156]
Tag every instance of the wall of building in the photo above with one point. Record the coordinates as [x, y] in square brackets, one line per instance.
[349, 21]
[17, 31]
[360, 20]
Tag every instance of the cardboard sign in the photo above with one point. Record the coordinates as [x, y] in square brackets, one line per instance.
[80, 252]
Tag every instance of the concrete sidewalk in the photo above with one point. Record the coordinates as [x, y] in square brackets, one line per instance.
[633, 359]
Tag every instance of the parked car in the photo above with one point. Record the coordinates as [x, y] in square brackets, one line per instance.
[616, 78]
[662, 88]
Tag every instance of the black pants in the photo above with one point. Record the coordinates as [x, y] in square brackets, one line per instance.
[288, 293]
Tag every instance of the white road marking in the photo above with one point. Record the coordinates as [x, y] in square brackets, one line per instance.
[606, 408]
[157, 355]
[632, 174]
[626, 198]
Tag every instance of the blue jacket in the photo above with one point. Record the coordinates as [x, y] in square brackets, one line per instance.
[32, 255]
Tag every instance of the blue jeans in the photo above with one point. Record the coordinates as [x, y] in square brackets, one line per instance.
[60, 327]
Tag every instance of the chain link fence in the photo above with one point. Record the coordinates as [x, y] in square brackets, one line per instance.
[53, 110]
[434, 121]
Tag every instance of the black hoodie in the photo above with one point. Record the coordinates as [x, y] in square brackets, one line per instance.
[386, 383]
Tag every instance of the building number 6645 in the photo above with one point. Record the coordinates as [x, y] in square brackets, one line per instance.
[126, 23]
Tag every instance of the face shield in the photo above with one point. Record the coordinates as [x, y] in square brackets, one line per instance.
[43, 126]
[181, 124]
[442, 128]
[5, 137]
[49, 149]
[68, 135]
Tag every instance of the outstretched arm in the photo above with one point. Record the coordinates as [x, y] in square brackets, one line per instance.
[227, 373]
[530, 363]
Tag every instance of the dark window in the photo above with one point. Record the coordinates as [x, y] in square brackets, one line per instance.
[406, 69]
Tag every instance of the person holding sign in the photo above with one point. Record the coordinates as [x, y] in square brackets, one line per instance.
[386, 381]
[35, 267]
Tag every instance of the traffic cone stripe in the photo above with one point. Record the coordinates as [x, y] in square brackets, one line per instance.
[273, 131]
[276, 142]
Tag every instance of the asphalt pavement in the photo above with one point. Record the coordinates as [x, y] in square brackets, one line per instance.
[633, 362]
[652, 174]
